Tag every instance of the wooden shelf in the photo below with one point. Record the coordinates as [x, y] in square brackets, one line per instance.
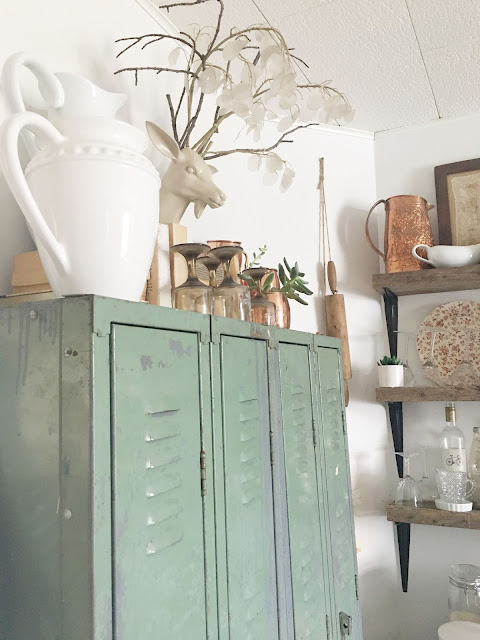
[428, 280]
[430, 515]
[426, 394]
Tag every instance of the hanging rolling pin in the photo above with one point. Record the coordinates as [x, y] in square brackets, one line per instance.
[336, 322]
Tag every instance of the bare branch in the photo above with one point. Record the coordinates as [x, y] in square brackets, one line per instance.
[217, 28]
[157, 69]
[281, 140]
[172, 116]
[181, 4]
[182, 95]
[156, 38]
[200, 144]
[191, 124]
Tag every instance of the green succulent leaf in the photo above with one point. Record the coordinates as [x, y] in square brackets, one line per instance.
[389, 360]
[286, 264]
[267, 285]
[281, 274]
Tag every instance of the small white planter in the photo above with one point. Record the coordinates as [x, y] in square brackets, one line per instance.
[390, 375]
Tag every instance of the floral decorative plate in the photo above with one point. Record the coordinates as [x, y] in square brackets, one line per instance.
[448, 344]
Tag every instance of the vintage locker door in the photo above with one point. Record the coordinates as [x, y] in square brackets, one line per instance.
[161, 538]
[243, 485]
[332, 433]
[305, 507]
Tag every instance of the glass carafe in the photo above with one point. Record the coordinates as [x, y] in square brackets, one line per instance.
[230, 299]
[263, 310]
[192, 295]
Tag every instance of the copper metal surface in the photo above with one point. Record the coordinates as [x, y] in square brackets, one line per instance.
[406, 225]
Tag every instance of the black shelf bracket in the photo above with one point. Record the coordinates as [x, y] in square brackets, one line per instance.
[395, 412]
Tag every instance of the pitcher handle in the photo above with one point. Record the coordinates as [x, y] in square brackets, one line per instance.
[367, 232]
[472, 488]
[15, 178]
[49, 85]
[422, 246]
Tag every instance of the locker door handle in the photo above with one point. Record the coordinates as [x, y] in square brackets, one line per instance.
[345, 624]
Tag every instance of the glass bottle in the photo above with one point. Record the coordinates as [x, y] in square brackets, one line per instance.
[192, 295]
[263, 310]
[230, 299]
[452, 442]
[474, 467]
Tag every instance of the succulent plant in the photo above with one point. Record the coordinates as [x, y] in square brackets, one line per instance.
[388, 360]
[292, 281]
[255, 261]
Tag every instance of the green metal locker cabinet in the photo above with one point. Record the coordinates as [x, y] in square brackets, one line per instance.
[168, 475]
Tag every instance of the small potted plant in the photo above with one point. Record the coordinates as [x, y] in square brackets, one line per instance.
[280, 286]
[390, 372]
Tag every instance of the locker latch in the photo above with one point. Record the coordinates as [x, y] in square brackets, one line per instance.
[345, 624]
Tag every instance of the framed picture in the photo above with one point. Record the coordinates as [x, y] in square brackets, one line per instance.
[458, 202]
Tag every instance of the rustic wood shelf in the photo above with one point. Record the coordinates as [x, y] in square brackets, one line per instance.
[426, 394]
[430, 515]
[428, 280]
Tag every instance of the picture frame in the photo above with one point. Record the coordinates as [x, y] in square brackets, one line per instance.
[457, 185]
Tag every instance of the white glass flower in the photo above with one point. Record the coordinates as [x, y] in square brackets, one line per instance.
[287, 179]
[174, 55]
[210, 80]
[234, 46]
[274, 163]
[254, 162]
[315, 100]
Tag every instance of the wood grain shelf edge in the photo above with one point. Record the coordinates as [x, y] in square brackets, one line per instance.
[428, 280]
[430, 515]
[426, 394]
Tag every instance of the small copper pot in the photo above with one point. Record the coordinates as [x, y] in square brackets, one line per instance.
[283, 308]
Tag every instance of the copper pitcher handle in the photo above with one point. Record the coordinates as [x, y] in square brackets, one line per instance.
[367, 232]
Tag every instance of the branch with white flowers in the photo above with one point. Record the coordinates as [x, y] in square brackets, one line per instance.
[253, 74]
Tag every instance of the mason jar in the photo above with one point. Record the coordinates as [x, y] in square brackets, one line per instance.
[464, 593]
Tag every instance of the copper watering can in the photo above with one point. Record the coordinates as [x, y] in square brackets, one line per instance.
[406, 225]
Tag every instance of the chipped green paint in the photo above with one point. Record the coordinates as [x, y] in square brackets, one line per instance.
[105, 402]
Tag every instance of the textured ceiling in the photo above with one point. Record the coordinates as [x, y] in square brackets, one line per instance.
[400, 62]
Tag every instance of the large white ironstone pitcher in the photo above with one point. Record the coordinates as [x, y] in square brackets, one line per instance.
[92, 208]
[76, 106]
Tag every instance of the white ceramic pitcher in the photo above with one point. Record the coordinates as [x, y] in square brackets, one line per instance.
[76, 106]
[92, 208]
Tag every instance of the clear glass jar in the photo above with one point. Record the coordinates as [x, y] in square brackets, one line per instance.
[464, 593]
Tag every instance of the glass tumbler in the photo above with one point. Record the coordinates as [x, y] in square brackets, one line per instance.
[230, 299]
[263, 311]
[192, 295]
[464, 593]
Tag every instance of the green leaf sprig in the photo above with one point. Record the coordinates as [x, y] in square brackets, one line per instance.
[255, 262]
[388, 360]
[293, 283]
[252, 284]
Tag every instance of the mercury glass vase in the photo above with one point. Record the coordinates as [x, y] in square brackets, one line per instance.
[230, 299]
[263, 310]
[192, 295]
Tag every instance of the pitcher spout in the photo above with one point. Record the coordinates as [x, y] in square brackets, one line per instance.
[84, 99]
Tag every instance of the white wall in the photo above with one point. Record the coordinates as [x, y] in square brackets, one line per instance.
[404, 161]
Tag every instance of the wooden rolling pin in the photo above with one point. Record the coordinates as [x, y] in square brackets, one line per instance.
[336, 323]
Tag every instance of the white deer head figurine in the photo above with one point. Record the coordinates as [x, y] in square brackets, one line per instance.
[188, 179]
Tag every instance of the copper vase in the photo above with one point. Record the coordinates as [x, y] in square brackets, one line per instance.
[406, 224]
[283, 308]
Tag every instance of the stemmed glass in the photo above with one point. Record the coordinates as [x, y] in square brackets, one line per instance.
[230, 299]
[427, 490]
[409, 376]
[465, 374]
[407, 490]
[429, 368]
[263, 311]
[192, 295]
